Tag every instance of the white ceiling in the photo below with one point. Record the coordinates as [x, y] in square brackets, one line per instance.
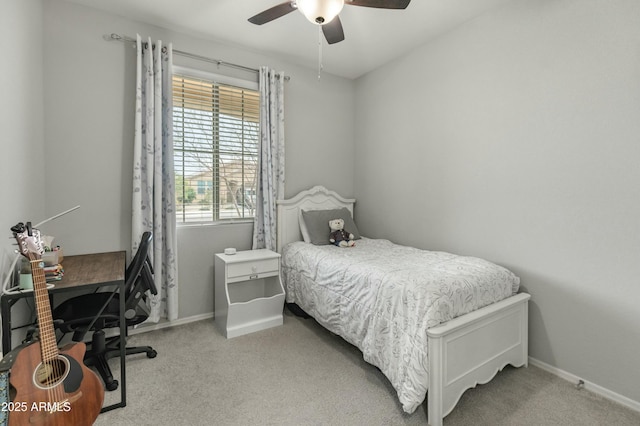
[372, 36]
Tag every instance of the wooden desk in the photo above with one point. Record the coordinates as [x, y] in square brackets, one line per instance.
[81, 273]
[98, 269]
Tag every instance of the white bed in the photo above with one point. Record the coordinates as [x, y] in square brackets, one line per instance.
[481, 328]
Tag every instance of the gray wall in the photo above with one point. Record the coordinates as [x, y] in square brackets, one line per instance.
[22, 167]
[21, 118]
[89, 105]
[516, 138]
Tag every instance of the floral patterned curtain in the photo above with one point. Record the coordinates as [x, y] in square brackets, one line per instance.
[153, 177]
[271, 172]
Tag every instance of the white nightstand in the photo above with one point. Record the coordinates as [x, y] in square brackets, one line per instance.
[249, 293]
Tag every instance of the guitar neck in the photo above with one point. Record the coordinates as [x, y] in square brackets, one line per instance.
[48, 344]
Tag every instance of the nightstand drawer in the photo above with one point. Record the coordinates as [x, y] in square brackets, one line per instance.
[258, 267]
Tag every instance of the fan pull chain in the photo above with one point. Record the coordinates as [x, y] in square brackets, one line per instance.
[319, 51]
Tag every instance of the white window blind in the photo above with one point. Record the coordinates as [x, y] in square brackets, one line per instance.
[216, 140]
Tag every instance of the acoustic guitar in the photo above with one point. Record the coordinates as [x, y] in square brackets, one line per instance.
[53, 387]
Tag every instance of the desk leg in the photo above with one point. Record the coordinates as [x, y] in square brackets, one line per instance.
[123, 348]
[123, 354]
[5, 311]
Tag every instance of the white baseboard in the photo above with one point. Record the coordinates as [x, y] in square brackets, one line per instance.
[592, 387]
[143, 328]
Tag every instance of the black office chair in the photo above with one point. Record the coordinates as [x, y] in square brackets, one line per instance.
[78, 315]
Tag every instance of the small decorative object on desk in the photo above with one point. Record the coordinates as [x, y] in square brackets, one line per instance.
[26, 279]
[52, 258]
[54, 272]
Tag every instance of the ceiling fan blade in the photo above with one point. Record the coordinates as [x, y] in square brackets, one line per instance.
[272, 13]
[333, 31]
[381, 4]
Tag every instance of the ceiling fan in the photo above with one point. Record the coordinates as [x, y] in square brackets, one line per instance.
[324, 13]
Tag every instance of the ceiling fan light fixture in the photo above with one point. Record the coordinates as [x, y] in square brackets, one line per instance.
[320, 12]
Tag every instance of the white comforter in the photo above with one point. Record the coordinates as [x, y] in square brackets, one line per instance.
[382, 297]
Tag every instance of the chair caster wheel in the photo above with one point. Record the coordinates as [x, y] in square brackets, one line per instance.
[152, 354]
[111, 386]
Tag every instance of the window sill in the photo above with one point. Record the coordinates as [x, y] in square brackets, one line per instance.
[217, 223]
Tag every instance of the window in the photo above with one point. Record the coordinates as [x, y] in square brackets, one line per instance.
[215, 140]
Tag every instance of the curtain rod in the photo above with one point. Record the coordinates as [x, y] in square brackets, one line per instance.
[127, 39]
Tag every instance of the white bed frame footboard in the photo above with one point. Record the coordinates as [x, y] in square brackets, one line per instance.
[472, 349]
[464, 352]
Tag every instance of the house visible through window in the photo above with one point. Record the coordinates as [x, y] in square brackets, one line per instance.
[216, 140]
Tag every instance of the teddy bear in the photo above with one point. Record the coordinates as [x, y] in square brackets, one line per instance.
[339, 236]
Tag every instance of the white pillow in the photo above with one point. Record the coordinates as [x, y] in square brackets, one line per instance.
[303, 227]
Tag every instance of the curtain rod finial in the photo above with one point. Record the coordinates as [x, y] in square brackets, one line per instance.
[111, 37]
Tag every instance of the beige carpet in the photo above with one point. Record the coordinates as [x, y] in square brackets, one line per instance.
[300, 374]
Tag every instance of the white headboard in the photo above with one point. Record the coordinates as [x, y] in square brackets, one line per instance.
[316, 198]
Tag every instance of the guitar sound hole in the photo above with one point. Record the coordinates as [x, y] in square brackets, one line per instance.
[49, 373]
